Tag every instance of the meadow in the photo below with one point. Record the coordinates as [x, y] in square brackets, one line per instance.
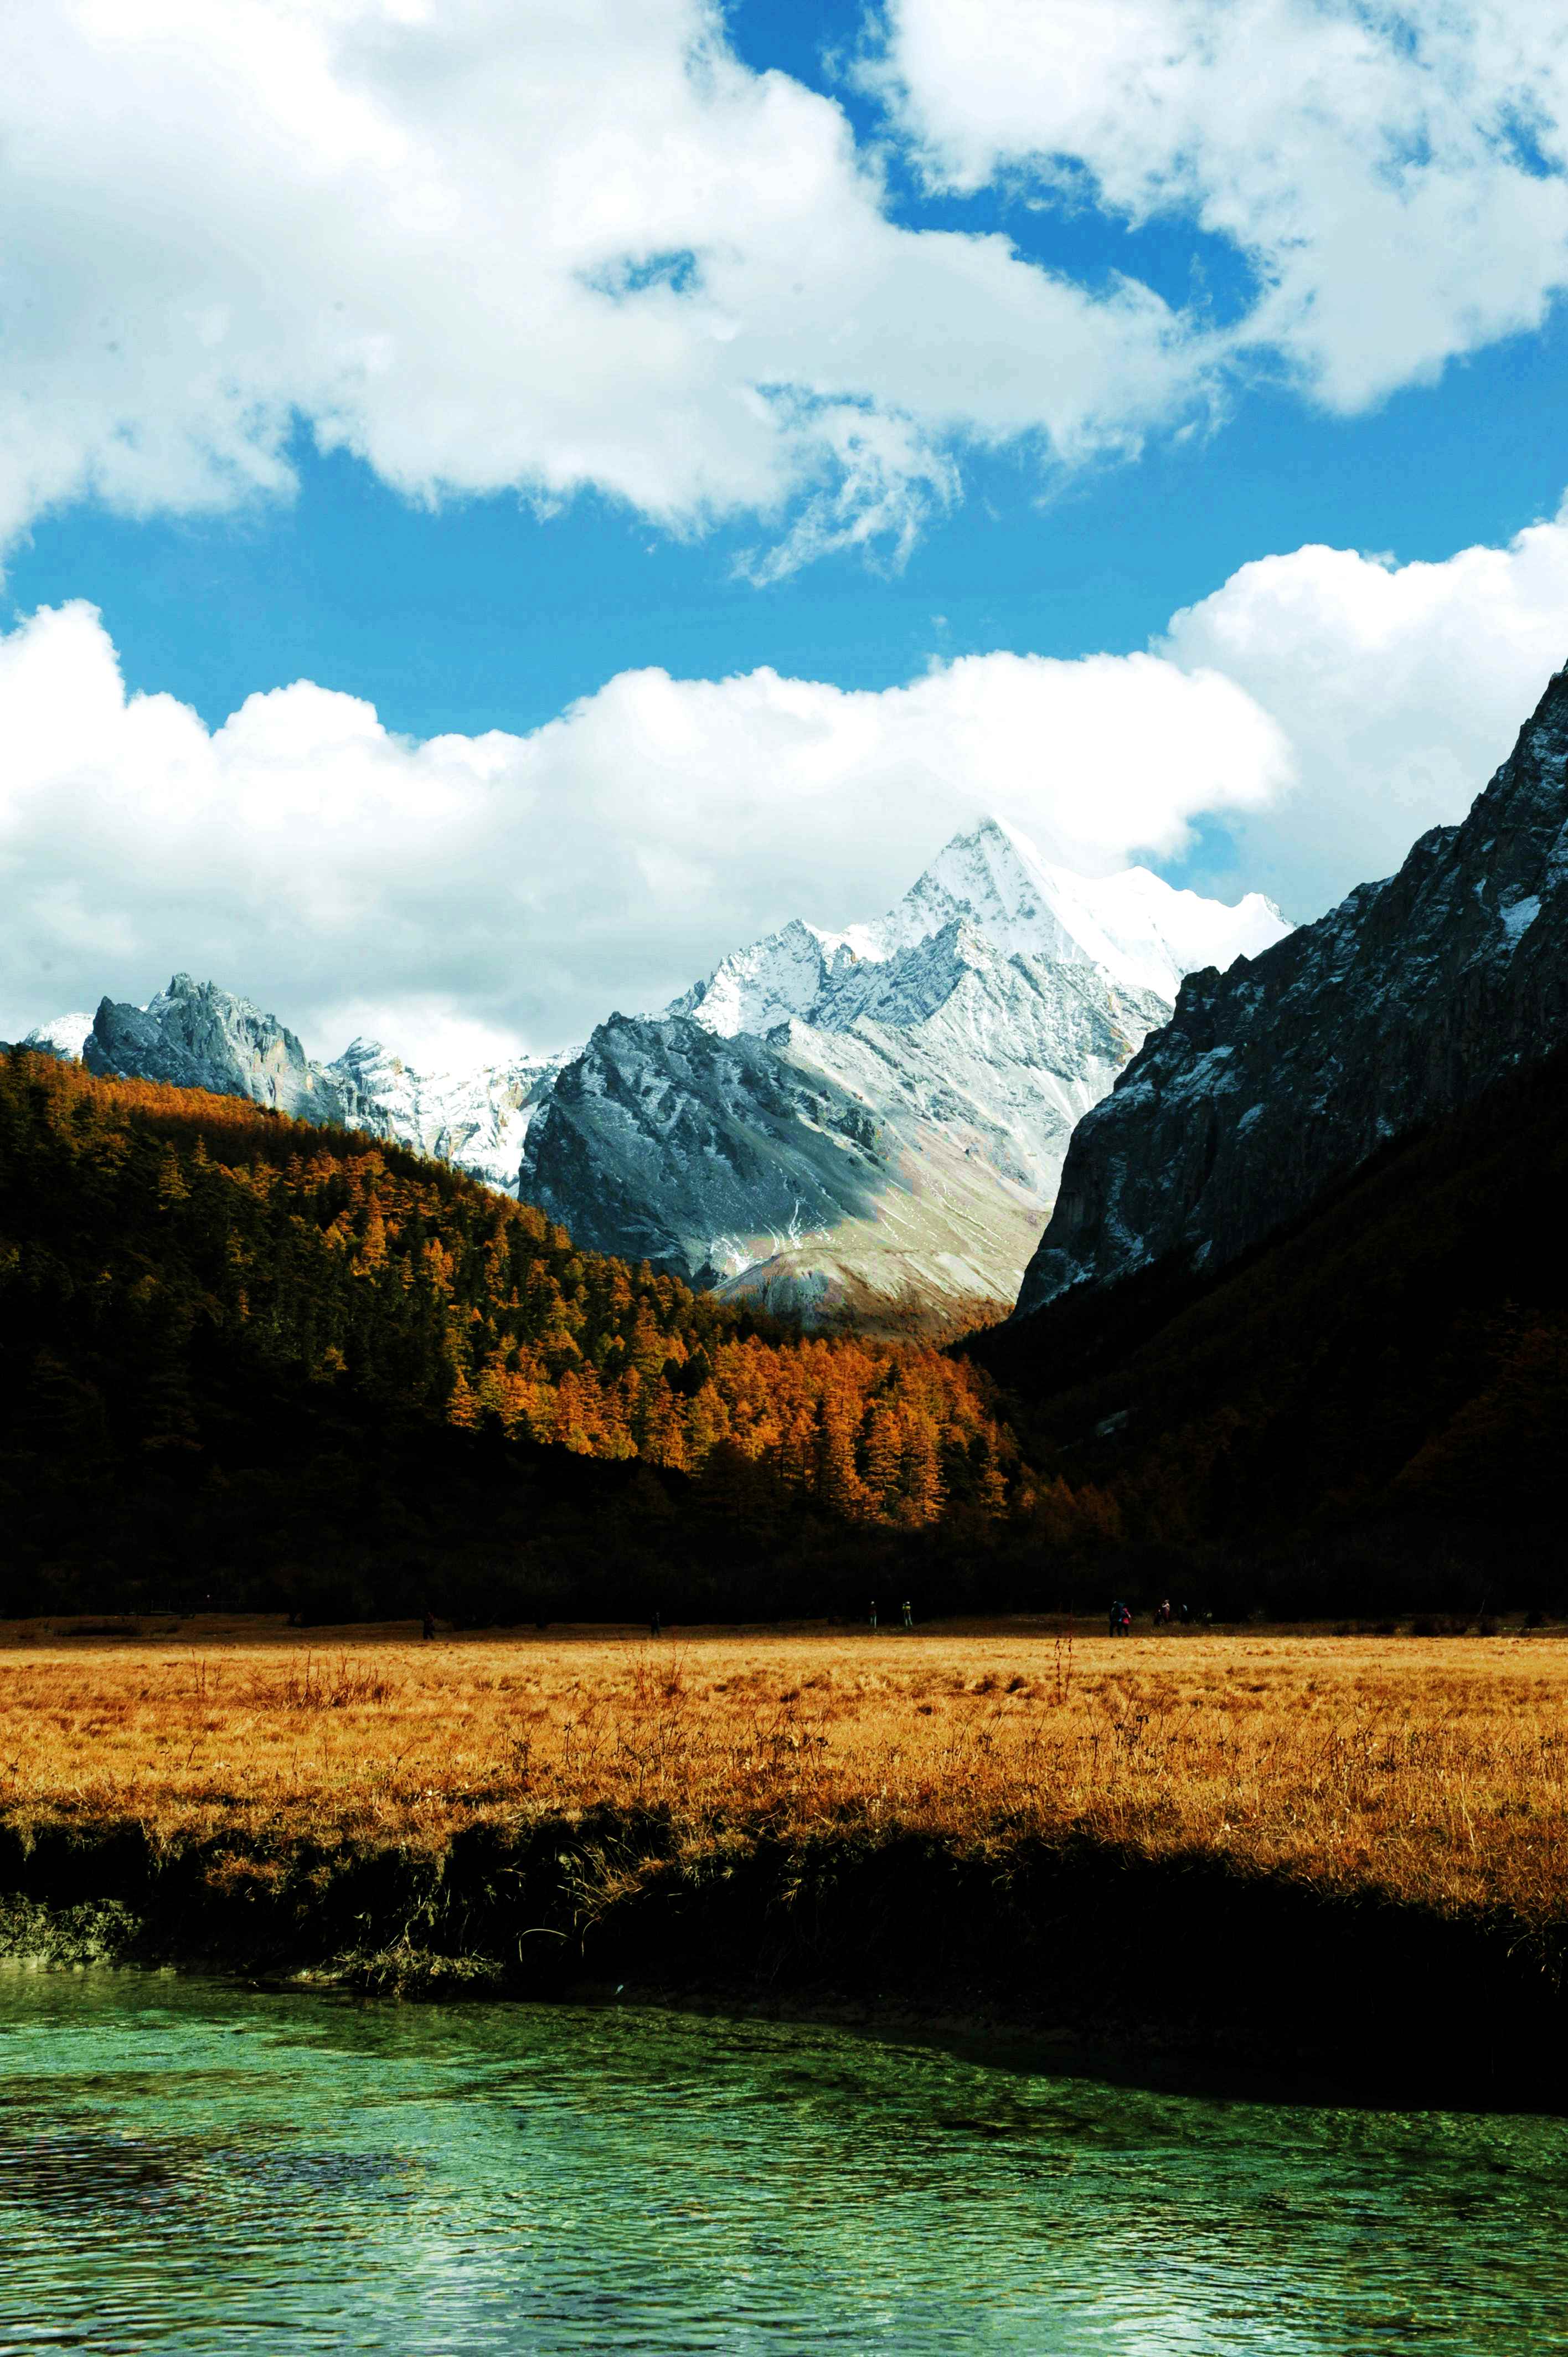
[1430, 1769]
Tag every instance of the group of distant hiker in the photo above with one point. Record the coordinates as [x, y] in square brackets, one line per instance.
[1121, 1616]
[906, 1608]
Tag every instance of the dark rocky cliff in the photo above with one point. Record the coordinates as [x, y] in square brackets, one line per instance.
[661, 1139]
[1281, 1076]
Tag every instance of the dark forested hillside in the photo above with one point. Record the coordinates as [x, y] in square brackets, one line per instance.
[240, 1356]
[1378, 1395]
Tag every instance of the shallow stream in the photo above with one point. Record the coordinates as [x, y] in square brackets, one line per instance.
[188, 2166]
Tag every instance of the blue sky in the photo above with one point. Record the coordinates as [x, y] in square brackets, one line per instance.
[479, 615]
[1364, 348]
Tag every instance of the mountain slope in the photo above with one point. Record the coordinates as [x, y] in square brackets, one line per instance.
[1278, 1078]
[871, 1121]
[917, 1079]
[196, 1036]
[1396, 1359]
[229, 1336]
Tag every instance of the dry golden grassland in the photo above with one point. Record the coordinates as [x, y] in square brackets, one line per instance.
[1433, 1768]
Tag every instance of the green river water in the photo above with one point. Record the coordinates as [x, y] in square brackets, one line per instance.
[185, 2165]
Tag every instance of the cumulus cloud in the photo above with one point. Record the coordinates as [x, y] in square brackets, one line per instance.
[489, 247]
[1315, 714]
[1393, 175]
[1399, 688]
[528, 884]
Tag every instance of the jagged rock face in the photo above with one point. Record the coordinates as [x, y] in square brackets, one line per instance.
[979, 1065]
[476, 1120]
[200, 1037]
[899, 1151]
[890, 1128]
[874, 1120]
[1276, 1079]
[663, 1141]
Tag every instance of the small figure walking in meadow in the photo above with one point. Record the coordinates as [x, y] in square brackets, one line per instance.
[873, 1612]
[909, 1616]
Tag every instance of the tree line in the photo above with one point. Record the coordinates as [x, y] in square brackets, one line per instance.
[206, 1307]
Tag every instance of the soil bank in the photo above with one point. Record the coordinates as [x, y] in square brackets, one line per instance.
[1357, 1996]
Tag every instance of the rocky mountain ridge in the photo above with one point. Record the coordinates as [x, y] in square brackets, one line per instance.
[1282, 1075]
[929, 1068]
[873, 1120]
[198, 1035]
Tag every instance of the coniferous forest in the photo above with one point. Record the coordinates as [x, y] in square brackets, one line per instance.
[250, 1364]
[269, 1364]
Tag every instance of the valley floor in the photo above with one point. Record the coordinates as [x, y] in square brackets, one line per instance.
[1314, 1841]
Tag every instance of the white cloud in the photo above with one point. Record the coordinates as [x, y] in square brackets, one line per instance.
[490, 247]
[1319, 711]
[486, 246]
[1399, 688]
[346, 877]
[1394, 174]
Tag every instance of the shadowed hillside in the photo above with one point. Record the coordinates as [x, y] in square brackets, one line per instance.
[239, 1355]
[1383, 1382]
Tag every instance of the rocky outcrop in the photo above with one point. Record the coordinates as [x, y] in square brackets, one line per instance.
[664, 1142]
[1279, 1077]
[871, 1121]
[887, 1125]
[199, 1037]
[477, 1120]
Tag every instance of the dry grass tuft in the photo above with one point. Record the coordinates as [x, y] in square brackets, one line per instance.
[1430, 1769]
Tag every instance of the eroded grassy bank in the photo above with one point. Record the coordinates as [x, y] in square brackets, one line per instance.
[1337, 1846]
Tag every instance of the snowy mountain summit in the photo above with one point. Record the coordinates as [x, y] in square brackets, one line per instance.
[1140, 931]
[476, 1120]
[885, 1129]
[871, 1121]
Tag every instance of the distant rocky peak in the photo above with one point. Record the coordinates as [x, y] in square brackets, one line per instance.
[773, 981]
[200, 1037]
[1141, 931]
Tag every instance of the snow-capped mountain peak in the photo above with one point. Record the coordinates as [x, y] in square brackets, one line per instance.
[1142, 932]
[62, 1036]
[1145, 932]
[772, 981]
[874, 1118]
